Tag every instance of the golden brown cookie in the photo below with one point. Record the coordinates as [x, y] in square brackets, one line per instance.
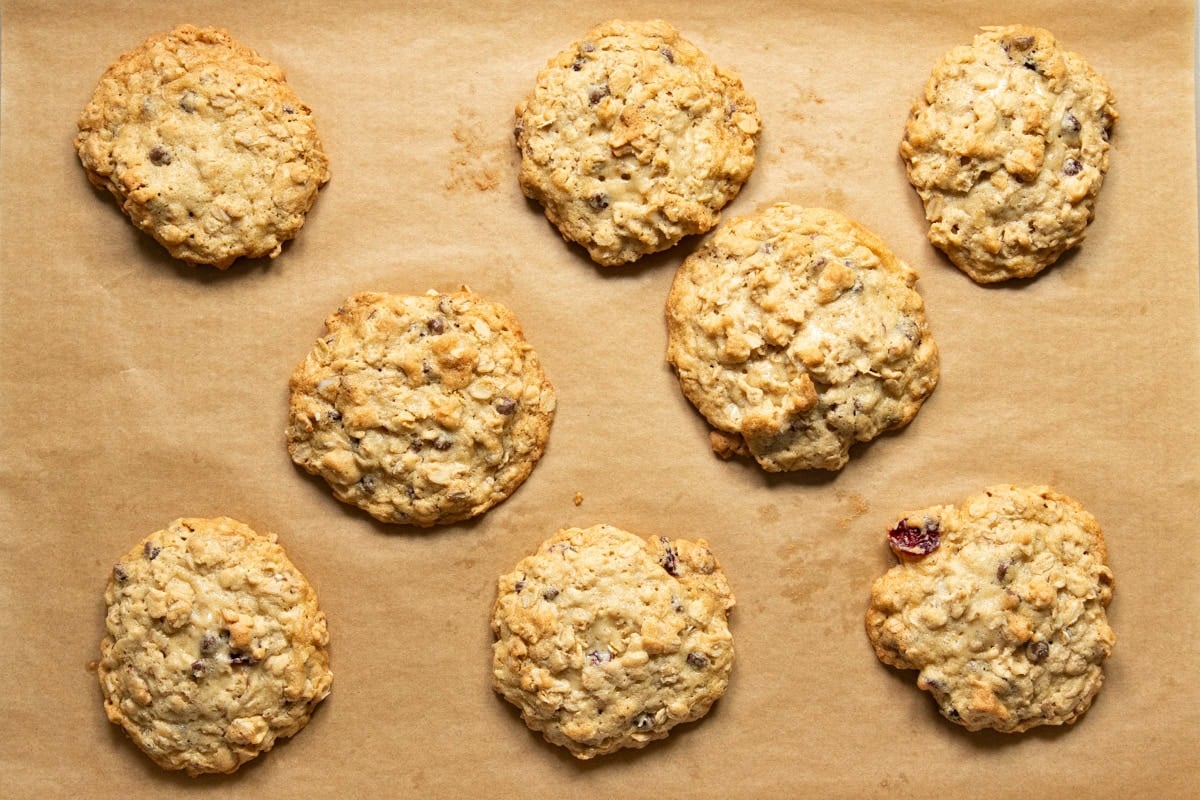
[999, 602]
[215, 648]
[606, 640]
[204, 145]
[1008, 148]
[422, 410]
[796, 332]
[633, 139]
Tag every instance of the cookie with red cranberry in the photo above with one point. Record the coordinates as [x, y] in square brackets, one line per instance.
[204, 145]
[632, 139]
[1000, 605]
[421, 409]
[1008, 148]
[607, 640]
[797, 332]
[215, 647]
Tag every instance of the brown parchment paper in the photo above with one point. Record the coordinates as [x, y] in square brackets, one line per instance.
[137, 389]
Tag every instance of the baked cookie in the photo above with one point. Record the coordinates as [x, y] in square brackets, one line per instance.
[215, 647]
[797, 333]
[999, 602]
[633, 139]
[607, 640]
[420, 409]
[1008, 148]
[204, 145]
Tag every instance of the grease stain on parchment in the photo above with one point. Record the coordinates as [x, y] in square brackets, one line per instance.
[479, 158]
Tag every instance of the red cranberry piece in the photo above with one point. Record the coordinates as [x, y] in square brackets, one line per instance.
[915, 540]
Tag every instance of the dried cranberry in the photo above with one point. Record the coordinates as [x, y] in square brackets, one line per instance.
[915, 540]
[119, 573]
[550, 593]
[1072, 167]
[506, 405]
[241, 659]
[197, 669]
[697, 660]
[436, 325]
[597, 93]
[150, 551]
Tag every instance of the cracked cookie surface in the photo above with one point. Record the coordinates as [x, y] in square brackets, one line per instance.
[204, 145]
[1008, 148]
[633, 139]
[215, 646]
[606, 640]
[420, 409]
[1000, 604]
[796, 332]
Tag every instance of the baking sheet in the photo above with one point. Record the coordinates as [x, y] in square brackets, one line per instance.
[137, 390]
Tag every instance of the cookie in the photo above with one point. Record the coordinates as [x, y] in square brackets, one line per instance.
[215, 647]
[633, 139]
[423, 409]
[999, 602]
[204, 146]
[796, 333]
[1008, 148]
[606, 640]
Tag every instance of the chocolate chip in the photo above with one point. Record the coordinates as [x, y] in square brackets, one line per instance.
[1037, 651]
[333, 416]
[1070, 124]
[596, 657]
[1002, 571]
[598, 202]
[644, 722]
[506, 406]
[160, 156]
[416, 446]
[667, 54]
[1072, 167]
[436, 325]
[150, 551]
[578, 63]
[119, 573]
[597, 93]
[287, 109]
[241, 659]
[670, 559]
[697, 660]
[550, 593]
[208, 643]
[369, 483]
[197, 669]
[519, 585]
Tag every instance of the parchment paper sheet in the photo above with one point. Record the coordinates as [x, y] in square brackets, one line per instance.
[137, 390]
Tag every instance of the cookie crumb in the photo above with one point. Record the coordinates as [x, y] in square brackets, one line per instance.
[577, 499]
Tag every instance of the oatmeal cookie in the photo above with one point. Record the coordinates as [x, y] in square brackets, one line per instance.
[420, 409]
[633, 139]
[606, 640]
[204, 145]
[215, 647]
[999, 602]
[796, 333]
[1008, 148]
